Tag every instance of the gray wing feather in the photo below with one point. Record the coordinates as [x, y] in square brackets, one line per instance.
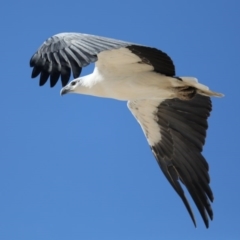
[64, 52]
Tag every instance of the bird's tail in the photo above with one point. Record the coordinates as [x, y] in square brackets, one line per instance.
[201, 89]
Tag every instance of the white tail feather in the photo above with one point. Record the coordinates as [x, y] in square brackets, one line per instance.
[201, 89]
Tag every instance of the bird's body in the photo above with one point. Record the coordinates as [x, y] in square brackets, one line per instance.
[172, 111]
[120, 88]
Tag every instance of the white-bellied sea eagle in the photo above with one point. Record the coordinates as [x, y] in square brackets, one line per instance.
[172, 111]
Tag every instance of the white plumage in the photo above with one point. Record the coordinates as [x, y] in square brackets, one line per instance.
[172, 111]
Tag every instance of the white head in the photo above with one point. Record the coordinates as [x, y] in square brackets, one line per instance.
[87, 85]
[74, 86]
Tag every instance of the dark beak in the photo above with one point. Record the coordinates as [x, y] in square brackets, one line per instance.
[64, 90]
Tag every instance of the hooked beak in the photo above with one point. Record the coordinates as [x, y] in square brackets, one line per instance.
[64, 90]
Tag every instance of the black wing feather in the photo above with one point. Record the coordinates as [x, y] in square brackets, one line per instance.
[161, 62]
[183, 127]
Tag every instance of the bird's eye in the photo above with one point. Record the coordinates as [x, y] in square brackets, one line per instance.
[73, 83]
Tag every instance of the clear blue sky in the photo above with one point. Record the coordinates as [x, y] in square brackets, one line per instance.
[79, 167]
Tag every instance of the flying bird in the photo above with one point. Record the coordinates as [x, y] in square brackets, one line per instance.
[172, 111]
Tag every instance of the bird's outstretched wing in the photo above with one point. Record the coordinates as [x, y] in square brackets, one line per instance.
[176, 131]
[66, 52]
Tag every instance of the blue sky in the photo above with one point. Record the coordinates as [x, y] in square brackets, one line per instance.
[79, 167]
